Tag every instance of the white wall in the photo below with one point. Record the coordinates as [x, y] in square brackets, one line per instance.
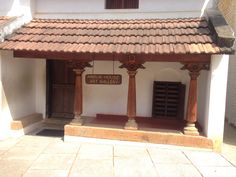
[202, 94]
[231, 89]
[18, 8]
[18, 81]
[231, 92]
[113, 99]
[216, 97]
[96, 9]
[22, 12]
[87, 9]
[4, 124]
[10, 27]
[17, 90]
[40, 86]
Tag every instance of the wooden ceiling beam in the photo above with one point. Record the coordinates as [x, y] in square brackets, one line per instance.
[116, 57]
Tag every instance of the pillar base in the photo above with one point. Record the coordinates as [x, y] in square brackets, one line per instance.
[190, 129]
[131, 124]
[77, 121]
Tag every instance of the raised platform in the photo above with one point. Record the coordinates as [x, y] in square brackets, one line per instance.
[26, 124]
[150, 130]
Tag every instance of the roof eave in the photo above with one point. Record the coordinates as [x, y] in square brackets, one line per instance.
[223, 33]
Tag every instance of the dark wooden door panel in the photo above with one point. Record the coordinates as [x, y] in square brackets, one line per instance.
[57, 98]
[168, 99]
[70, 76]
[61, 99]
[58, 72]
[69, 99]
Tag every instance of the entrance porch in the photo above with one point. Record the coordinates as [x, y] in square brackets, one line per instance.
[160, 129]
[192, 43]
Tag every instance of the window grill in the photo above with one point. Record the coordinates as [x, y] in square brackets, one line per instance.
[122, 4]
[168, 99]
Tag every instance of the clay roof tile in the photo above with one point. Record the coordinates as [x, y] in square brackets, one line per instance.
[155, 36]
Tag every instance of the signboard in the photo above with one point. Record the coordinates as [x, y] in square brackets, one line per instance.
[106, 79]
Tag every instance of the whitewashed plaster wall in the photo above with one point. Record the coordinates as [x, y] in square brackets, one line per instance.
[113, 99]
[16, 82]
[202, 93]
[11, 26]
[40, 86]
[4, 124]
[18, 86]
[23, 8]
[96, 9]
[214, 114]
[231, 90]
[17, 90]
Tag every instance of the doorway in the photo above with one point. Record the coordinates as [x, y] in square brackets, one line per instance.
[60, 89]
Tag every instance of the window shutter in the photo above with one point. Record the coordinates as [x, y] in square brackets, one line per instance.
[131, 4]
[122, 4]
[113, 4]
[168, 99]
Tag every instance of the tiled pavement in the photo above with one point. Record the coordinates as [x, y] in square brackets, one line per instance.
[229, 146]
[34, 156]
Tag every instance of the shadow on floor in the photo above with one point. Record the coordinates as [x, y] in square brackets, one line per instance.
[229, 134]
[229, 145]
[51, 133]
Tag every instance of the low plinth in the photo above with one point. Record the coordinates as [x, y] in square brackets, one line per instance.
[113, 129]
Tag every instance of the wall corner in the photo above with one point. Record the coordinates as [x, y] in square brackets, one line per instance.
[216, 98]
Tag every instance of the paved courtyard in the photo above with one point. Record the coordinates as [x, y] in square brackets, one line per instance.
[35, 156]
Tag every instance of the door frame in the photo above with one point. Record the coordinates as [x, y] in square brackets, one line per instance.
[50, 91]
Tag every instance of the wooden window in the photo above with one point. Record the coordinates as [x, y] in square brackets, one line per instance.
[168, 99]
[122, 4]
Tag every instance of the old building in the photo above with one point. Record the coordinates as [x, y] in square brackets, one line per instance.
[130, 70]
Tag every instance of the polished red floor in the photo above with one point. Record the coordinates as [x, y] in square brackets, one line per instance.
[143, 122]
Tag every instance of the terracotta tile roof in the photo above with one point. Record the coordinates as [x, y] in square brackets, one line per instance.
[4, 20]
[149, 36]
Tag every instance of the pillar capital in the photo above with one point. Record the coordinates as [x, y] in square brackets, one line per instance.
[132, 64]
[78, 65]
[132, 73]
[195, 68]
[78, 71]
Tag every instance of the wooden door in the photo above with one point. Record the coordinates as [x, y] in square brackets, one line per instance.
[61, 90]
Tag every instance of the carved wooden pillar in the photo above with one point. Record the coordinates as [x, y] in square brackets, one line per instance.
[131, 65]
[78, 68]
[191, 116]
